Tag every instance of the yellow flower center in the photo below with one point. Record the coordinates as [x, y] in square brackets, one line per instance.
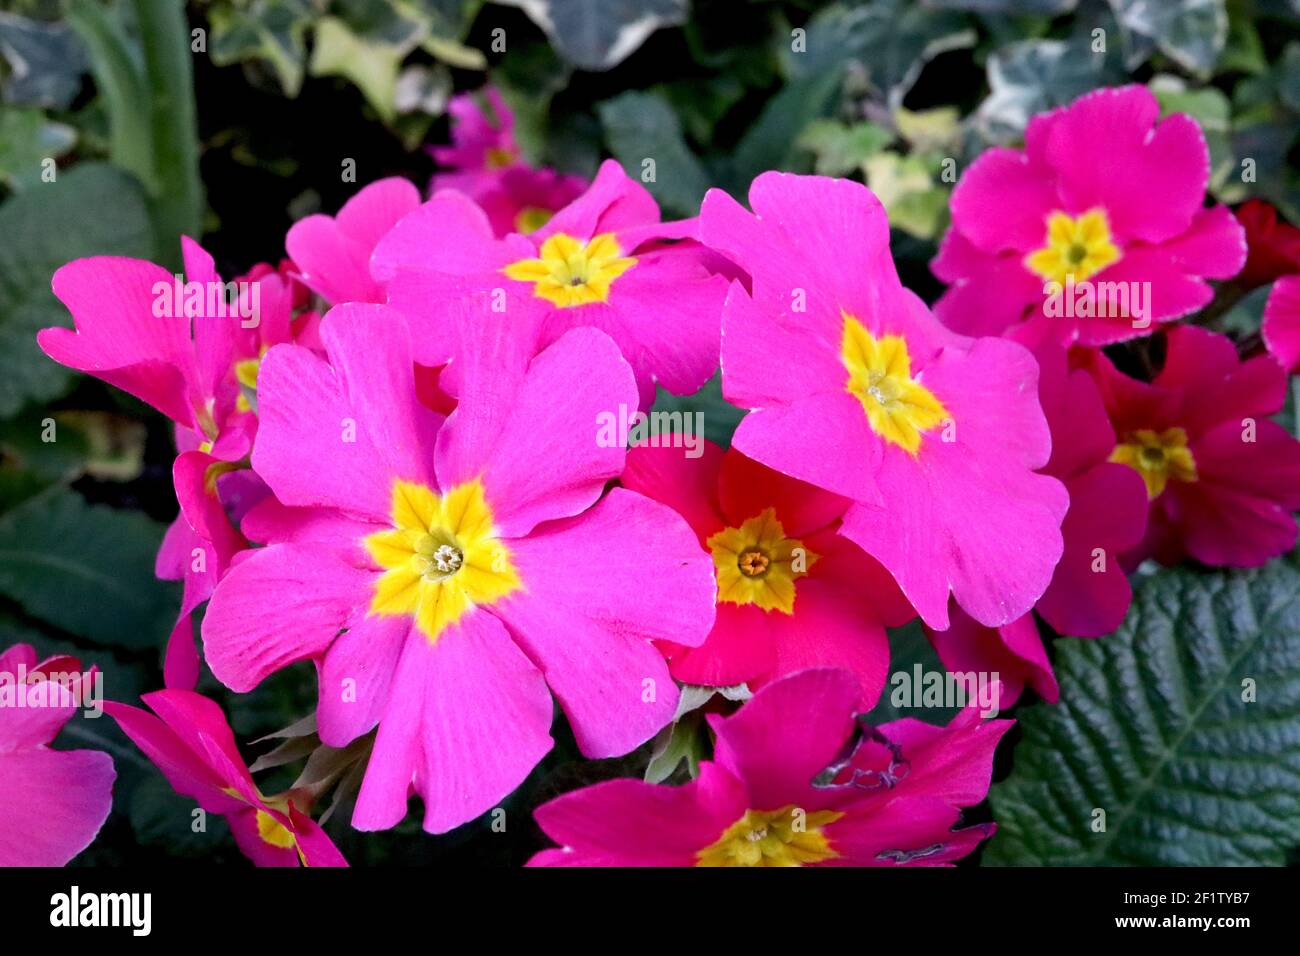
[571, 272]
[274, 832]
[498, 158]
[441, 558]
[757, 564]
[899, 408]
[246, 375]
[1079, 247]
[1157, 457]
[532, 218]
[785, 837]
[271, 830]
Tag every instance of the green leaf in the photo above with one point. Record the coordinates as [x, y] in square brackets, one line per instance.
[86, 569]
[1244, 50]
[27, 139]
[269, 30]
[1034, 76]
[681, 741]
[772, 141]
[163, 818]
[91, 209]
[1211, 110]
[45, 62]
[642, 126]
[718, 417]
[700, 104]
[840, 148]
[910, 649]
[371, 65]
[1183, 726]
[891, 40]
[599, 34]
[120, 80]
[906, 186]
[1192, 33]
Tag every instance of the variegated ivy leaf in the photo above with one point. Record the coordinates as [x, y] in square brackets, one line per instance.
[599, 34]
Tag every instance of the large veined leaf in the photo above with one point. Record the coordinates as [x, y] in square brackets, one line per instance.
[91, 209]
[1182, 728]
[86, 569]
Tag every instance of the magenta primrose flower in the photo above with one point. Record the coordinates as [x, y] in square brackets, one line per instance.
[1090, 592]
[1103, 204]
[332, 253]
[894, 802]
[482, 140]
[52, 802]
[485, 163]
[443, 574]
[1014, 652]
[191, 743]
[174, 342]
[792, 594]
[1281, 325]
[1222, 478]
[604, 261]
[855, 388]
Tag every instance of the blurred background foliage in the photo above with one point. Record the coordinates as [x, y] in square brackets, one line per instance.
[124, 124]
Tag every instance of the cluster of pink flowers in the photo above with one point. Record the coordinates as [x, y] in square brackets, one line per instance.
[390, 465]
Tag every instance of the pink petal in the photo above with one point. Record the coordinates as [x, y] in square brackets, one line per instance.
[598, 589]
[33, 726]
[450, 234]
[1108, 151]
[906, 832]
[546, 459]
[118, 337]
[787, 734]
[740, 648]
[952, 763]
[244, 828]
[632, 823]
[986, 294]
[687, 485]
[612, 203]
[968, 514]
[1108, 511]
[332, 254]
[357, 674]
[822, 439]
[467, 720]
[359, 423]
[746, 488]
[1003, 201]
[755, 341]
[830, 627]
[1281, 328]
[284, 603]
[1013, 653]
[52, 804]
[185, 769]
